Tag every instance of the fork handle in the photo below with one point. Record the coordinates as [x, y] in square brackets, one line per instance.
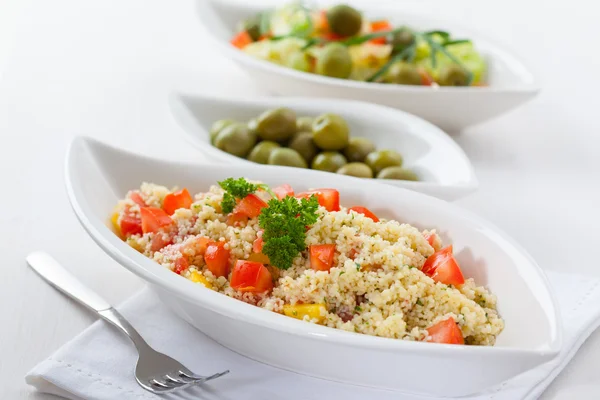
[55, 274]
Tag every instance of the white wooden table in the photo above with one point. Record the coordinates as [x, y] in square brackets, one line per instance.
[105, 69]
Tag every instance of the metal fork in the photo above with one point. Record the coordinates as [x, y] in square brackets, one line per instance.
[155, 372]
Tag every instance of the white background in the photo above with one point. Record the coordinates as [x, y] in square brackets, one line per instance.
[104, 68]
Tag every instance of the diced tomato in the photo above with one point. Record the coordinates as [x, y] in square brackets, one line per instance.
[446, 331]
[321, 256]
[249, 276]
[442, 267]
[258, 244]
[250, 206]
[321, 21]
[380, 26]
[153, 219]
[426, 79]
[352, 254]
[241, 40]
[331, 36]
[136, 197]
[203, 243]
[366, 212]
[328, 198]
[130, 225]
[283, 191]
[160, 240]
[216, 258]
[430, 237]
[175, 201]
[181, 265]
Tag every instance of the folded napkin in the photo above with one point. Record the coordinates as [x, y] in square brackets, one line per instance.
[98, 364]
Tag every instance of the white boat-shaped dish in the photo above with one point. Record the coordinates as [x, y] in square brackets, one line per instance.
[98, 175]
[452, 108]
[443, 168]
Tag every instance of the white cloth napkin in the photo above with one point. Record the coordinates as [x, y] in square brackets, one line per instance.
[98, 364]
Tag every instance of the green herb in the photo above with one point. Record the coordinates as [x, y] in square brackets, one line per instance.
[265, 22]
[419, 302]
[357, 309]
[407, 54]
[238, 189]
[284, 223]
[357, 266]
[342, 273]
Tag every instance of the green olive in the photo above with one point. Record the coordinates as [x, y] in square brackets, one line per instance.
[330, 132]
[329, 161]
[397, 173]
[358, 169]
[400, 40]
[358, 148]
[303, 143]
[453, 75]
[217, 127]
[304, 124]
[404, 74]
[299, 60]
[277, 124]
[236, 139]
[287, 157]
[344, 20]
[381, 159]
[261, 152]
[334, 60]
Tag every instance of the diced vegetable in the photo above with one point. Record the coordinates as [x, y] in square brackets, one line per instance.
[321, 256]
[299, 311]
[181, 265]
[197, 277]
[260, 258]
[250, 206]
[241, 40]
[175, 201]
[365, 211]
[160, 240]
[328, 198]
[136, 197]
[446, 331]
[442, 267]
[283, 191]
[154, 219]
[114, 219]
[131, 225]
[380, 26]
[216, 258]
[248, 276]
[257, 245]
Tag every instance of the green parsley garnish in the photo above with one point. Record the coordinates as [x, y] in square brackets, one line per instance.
[238, 189]
[284, 223]
[419, 302]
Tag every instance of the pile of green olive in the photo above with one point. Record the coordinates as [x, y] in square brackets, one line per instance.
[278, 137]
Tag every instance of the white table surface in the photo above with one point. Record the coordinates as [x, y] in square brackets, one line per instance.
[104, 69]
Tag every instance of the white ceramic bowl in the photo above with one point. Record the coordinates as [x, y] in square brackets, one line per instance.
[98, 175]
[510, 82]
[443, 168]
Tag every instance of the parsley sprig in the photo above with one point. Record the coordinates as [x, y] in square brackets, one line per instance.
[238, 189]
[284, 223]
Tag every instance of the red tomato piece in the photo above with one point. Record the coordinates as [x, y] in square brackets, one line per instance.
[426, 79]
[136, 197]
[321, 256]
[160, 240]
[250, 276]
[241, 40]
[216, 258]
[366, 212]
[130, 225]
[258, 243]
[442, 267]
[333, 36]
[446, 331]
[181, 265]
[321, 21]
[283, 191]
[328, 198]
[430, 237]
[153, 219]
[380, 26]
[250, 206]
[175, 201]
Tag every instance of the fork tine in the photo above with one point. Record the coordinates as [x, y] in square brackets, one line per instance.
[154, 382]
[171, 378]
[186, 373]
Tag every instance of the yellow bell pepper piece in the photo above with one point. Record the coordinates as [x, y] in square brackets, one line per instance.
[299, 311]
[197, 277]
[259, 258]
[115, 223]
